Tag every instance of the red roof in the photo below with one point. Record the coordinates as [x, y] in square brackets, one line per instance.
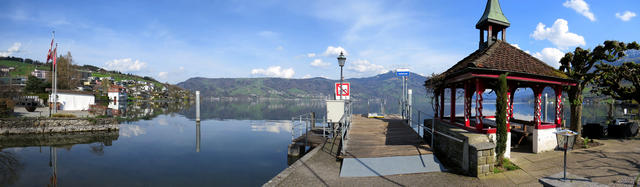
[503, 57]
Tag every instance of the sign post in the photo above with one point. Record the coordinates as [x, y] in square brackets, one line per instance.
[342, 91]
[403, 73]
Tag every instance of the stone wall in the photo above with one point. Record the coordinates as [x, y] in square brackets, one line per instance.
[53, 125]
[474, 154]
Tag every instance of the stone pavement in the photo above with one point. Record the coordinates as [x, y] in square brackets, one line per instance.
[320, 168]
[616, 162]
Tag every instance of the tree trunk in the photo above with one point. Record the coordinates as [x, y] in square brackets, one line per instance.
[575, 97]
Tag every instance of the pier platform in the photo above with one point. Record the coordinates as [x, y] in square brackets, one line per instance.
[385, 137]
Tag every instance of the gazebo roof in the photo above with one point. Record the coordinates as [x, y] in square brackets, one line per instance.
[503, 57]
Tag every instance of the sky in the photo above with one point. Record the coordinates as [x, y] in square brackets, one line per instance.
[175, 40]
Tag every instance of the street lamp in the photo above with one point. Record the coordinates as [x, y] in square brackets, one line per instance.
[341, 60]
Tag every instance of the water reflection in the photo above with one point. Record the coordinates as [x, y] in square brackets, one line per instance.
[53, 164]
[272, 109]
[197, 137]
[272, 126]
[10, 168]
[58, 139]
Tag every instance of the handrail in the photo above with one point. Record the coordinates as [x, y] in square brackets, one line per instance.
[345, 122]
[420, 123]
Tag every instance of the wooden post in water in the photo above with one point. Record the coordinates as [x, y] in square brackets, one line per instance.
[197, 106]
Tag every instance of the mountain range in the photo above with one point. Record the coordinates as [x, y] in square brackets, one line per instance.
[382, 86]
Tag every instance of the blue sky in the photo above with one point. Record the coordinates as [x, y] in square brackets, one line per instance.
[175, 40]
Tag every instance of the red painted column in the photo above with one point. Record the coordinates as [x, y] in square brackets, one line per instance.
[509, 109]
[559, 113]
[537, 93]
[468, 93]
[512, 91]
[442, 103]
[479, 116]
[452, 116]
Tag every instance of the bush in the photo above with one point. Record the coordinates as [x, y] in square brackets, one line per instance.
[501, 117]
[6, 107]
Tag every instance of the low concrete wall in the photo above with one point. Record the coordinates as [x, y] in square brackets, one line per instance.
[544, 140]
[53, 125]
[475, 155]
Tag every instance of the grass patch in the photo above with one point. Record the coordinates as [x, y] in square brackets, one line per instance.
[63, 115]
[507, 165]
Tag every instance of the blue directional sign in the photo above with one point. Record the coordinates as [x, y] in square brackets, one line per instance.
[402, 72]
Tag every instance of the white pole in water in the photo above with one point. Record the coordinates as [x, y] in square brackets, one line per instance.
[198, 106]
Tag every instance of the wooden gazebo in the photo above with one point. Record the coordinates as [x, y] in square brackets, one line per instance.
[479, 71]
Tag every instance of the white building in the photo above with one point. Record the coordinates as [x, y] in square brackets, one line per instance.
[74, 100]
[117, 96]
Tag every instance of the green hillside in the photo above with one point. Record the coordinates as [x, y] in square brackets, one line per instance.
[22, 69]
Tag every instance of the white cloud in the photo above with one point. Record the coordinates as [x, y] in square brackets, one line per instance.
[274, 71]
[163, 75]
[319, 63]
[14, 48]
[364, 66]
[558, 34]
[626, 16]
[518, 47]
[550, 56]
[181, 68]
[125, 65]
[311, 55]
[335, 51]
[307, 76]
[279, 48]
[581, 7]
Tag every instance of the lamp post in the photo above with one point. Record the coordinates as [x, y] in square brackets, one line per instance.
[341, 60]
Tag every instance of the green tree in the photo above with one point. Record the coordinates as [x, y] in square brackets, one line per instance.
[33, 85]
[68, 75]
[501, 117]
[578, 65]
[619, 82]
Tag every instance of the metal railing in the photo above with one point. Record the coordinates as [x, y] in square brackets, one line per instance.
[431, 130]
[302, 124]
[345, 124]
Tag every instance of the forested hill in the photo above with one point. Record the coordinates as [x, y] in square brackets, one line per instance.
[385, 85]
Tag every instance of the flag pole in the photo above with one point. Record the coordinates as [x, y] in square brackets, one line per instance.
[55, 79]
[53, 36]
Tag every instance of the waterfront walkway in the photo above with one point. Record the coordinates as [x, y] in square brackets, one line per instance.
[614, 163]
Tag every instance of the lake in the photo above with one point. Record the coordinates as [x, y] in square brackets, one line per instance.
[242, 143]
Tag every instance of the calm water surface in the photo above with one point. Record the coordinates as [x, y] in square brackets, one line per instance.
[241, 144]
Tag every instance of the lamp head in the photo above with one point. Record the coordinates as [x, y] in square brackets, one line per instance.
[341, 59]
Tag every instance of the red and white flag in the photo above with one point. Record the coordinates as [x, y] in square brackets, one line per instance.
[55, 53]
[49, 55]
